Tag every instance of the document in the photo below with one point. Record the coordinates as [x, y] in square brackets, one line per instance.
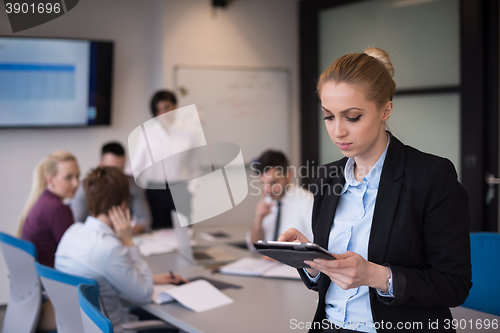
[198, 296]
[260, 267]
[158, 242]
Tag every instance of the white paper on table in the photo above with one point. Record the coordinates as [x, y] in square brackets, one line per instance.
[282, 271]
[199, 295]
[158, 242]
[248, 266]
[260, 267]
[160, 293]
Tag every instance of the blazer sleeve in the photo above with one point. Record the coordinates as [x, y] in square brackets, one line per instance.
[446, 281]
[309, 284]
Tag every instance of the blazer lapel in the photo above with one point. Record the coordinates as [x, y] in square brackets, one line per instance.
[332, 188]
[387, 201]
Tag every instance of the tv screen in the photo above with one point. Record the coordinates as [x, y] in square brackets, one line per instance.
[55, 82]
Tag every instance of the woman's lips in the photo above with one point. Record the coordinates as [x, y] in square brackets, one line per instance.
[343, 145]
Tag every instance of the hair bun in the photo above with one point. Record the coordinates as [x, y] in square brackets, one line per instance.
[381, 56]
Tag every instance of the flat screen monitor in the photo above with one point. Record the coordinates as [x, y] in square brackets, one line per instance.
[47, 82]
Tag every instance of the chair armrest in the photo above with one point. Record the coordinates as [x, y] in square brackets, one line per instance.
[146, 324]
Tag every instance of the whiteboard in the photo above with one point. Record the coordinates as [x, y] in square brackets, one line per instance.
[246, 106]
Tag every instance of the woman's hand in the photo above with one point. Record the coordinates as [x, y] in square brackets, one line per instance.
[293, 235]
[168, 278]
[350, 270]
[120, 218]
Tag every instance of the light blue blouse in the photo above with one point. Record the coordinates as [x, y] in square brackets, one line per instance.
[351, 308]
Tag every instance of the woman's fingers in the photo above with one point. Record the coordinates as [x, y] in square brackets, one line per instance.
[113, 216]
[119, 217]
[348, 270]
[127, 214]
[292, 235]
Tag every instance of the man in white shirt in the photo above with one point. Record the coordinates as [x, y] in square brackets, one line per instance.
[282, 204]
[102, 248]
[177, 142]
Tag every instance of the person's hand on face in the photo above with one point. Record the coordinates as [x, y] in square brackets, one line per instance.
[264, 206]
[120, 219]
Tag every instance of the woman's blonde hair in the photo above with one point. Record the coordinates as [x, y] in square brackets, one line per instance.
[47, 166]
[371, 70]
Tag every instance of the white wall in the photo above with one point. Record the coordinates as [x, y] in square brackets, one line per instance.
[246, 33]
[150, 38]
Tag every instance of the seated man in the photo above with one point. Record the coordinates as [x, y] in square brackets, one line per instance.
[102, 248]
[282, 204]
[113, 154]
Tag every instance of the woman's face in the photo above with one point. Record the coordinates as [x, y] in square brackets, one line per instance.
[65, 182]
[354, 124]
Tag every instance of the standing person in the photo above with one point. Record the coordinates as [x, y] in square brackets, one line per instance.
[102, 248]
[45, 217]
[182, 165]
[395, 219]
[113, 154]
[282, 205]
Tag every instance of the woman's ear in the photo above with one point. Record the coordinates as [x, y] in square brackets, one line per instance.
[48, 181]
[387, 111]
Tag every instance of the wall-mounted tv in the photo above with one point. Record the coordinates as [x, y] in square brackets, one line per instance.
[46, 82]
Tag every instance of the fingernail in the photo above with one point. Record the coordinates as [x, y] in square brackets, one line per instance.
[307, 262]
[317, 260]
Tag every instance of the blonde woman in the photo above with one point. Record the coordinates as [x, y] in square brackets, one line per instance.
[395, 219]
[45, 217]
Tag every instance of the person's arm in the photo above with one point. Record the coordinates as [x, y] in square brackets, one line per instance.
[129, 273]
[125, 268]
[350, 270]
[261, 211]
[444, 279]
[447, 279]
[78, 205]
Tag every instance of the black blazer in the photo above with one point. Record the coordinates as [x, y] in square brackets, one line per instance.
[420, 229]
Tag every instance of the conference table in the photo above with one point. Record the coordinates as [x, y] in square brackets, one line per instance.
[261, 304]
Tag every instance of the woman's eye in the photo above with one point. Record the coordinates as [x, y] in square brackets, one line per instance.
[328, 118]
[353, 120]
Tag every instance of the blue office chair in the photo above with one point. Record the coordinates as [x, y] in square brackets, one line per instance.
[25, 292]
[92, 318]
[485, 257]
[62, 291]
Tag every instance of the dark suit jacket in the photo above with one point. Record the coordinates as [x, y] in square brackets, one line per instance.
[420, 229]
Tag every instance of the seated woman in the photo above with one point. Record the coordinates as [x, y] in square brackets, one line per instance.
[102, 248]
[45, 217]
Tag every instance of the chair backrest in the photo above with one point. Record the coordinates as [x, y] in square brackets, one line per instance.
[62, 291]
[485, 257]
[92, 318]
[25, 292]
